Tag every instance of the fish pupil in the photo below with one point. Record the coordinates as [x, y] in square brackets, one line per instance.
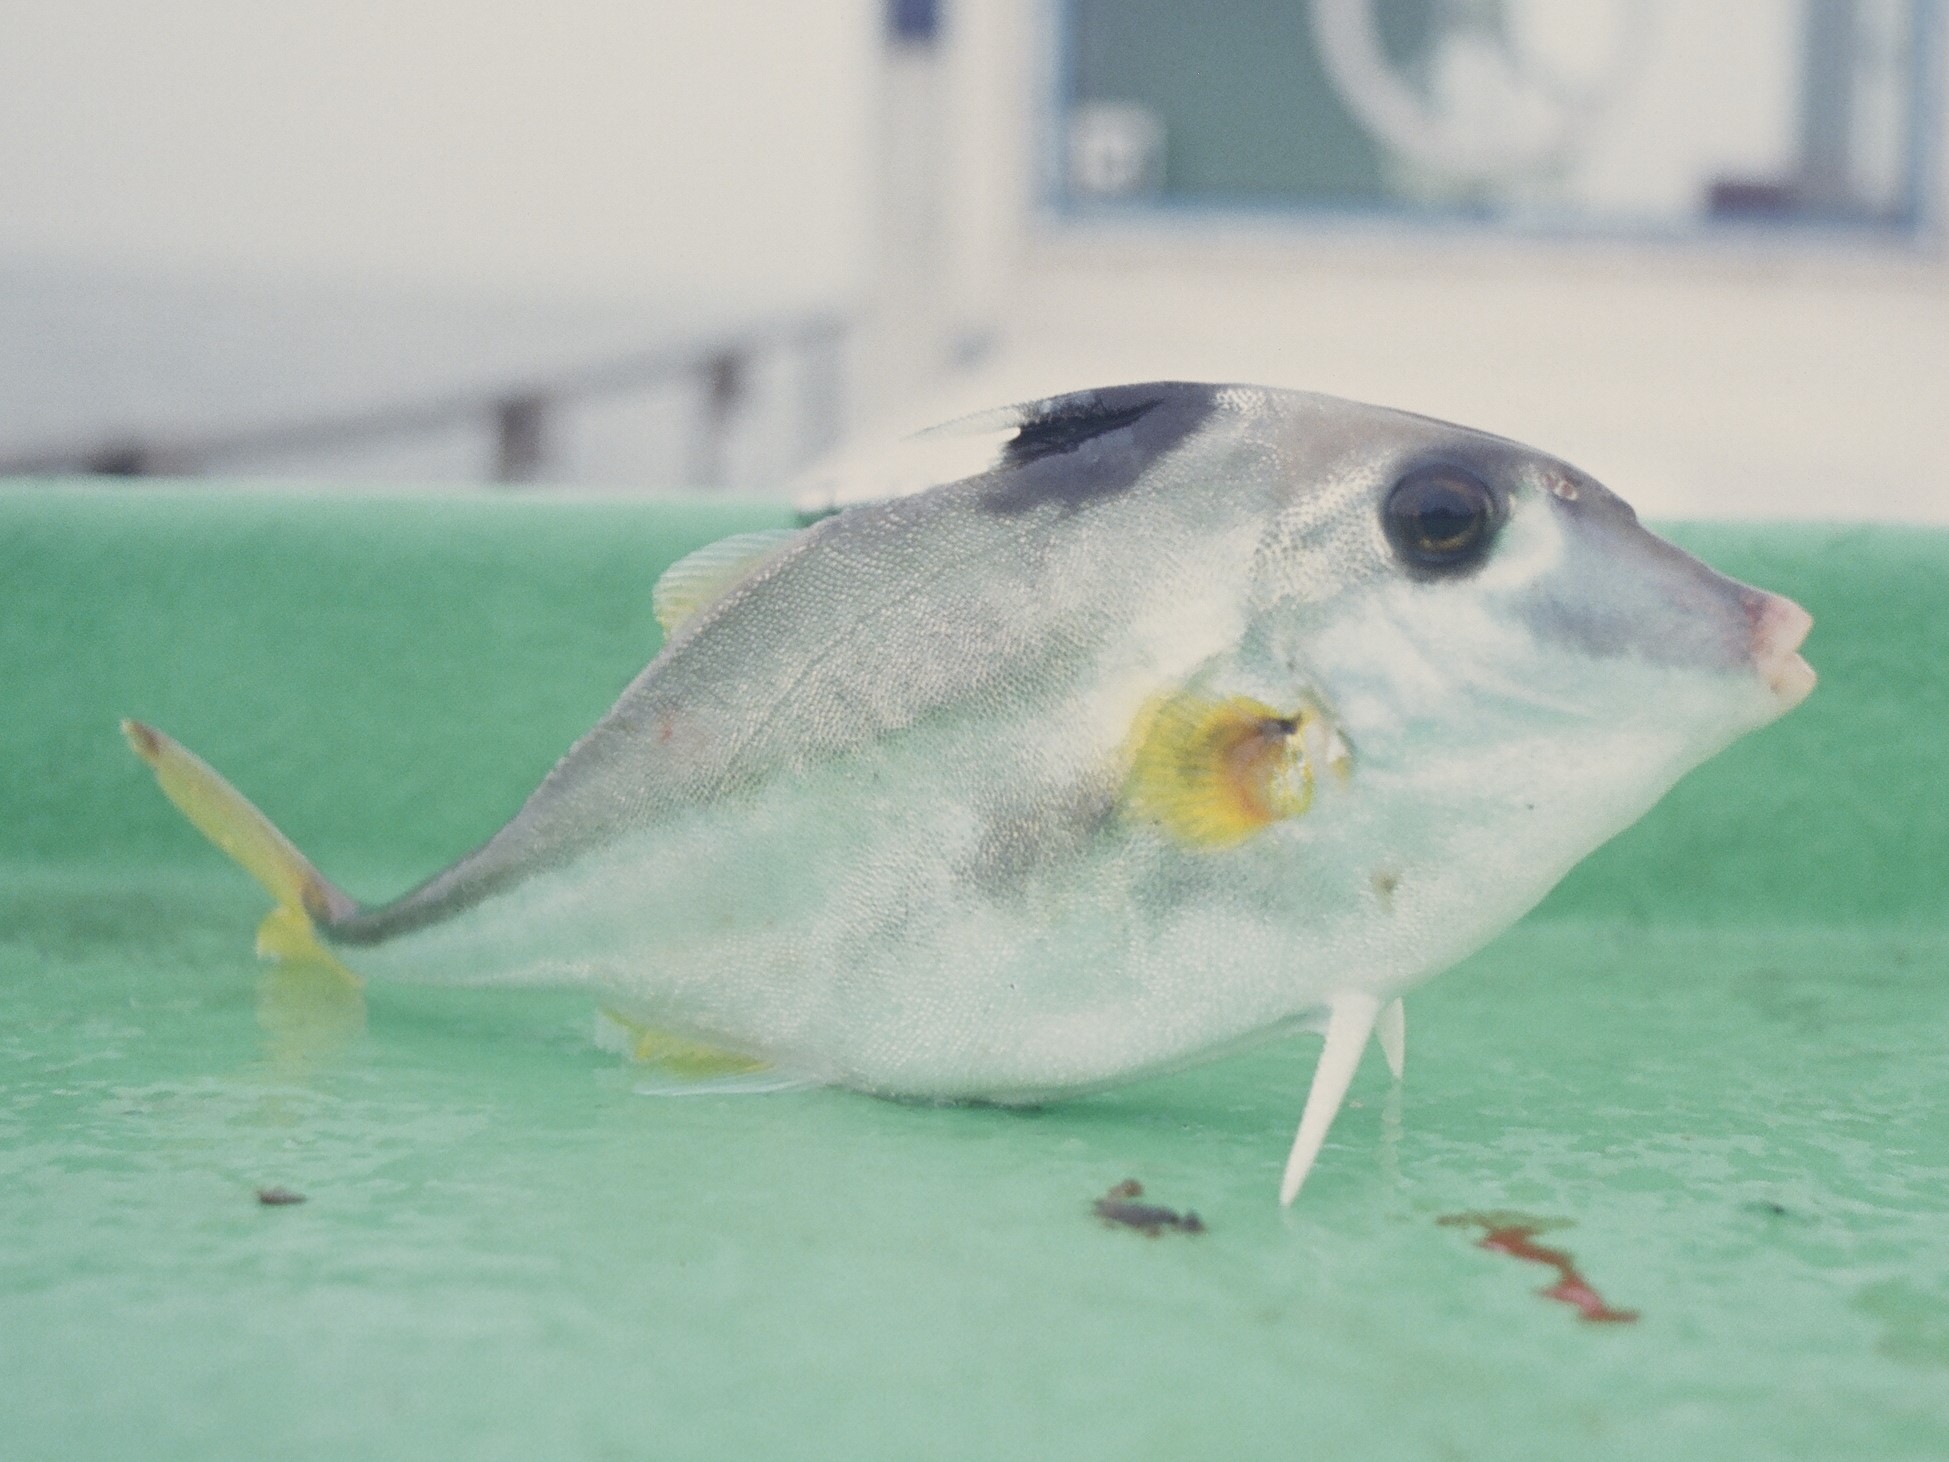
[1440, 517]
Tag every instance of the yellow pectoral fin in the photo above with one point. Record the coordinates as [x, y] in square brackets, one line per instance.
[1213, 771]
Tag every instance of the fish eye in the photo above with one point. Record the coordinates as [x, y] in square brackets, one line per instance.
[1440, 517]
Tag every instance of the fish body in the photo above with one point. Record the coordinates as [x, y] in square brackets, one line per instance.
[1197, 715]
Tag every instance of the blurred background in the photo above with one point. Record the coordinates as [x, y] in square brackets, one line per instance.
[628, 246]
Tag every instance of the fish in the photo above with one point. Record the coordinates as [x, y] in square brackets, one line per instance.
[1176, 718]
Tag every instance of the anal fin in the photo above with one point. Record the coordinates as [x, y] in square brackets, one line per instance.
[684, 1067]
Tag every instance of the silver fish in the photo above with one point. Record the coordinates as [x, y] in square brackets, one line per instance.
[1196, 716]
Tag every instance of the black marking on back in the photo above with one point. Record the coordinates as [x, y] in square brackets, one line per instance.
[1071, 451]
[1069, 429]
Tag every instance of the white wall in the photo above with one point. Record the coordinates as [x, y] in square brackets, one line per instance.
[1808, 386]
[592, 148]
[1795, 377]
[610, 150]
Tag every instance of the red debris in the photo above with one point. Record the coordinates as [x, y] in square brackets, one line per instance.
[1507, 1234]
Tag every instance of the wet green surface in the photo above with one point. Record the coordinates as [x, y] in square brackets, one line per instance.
[1717, 1055]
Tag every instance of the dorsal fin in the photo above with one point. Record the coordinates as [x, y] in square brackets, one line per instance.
[1035, 450]
[1068, 422]
[1070, 452]
[699, 578]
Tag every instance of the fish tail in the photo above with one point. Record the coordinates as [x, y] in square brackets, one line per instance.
[306, 900]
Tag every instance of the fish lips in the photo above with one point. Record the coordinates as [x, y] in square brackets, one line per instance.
[1623, 591]
[1779, 629]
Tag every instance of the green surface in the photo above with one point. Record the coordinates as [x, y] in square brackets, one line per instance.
[1717, 1053]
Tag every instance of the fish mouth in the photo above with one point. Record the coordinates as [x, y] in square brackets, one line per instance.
[1779, 629]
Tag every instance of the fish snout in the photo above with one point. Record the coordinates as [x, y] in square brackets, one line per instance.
[1779, 628]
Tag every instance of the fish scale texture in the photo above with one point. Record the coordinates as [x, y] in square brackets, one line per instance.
[1715, 1055]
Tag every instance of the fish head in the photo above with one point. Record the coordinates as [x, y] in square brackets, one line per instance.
[1516, 670]
[1502, 644]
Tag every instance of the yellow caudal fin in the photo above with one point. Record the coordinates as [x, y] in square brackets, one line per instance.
[225, 816]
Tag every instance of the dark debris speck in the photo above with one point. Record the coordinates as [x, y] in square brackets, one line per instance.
[1119, 1209]
[278, 1197]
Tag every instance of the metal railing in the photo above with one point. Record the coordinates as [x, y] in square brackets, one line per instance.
[521, 418]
